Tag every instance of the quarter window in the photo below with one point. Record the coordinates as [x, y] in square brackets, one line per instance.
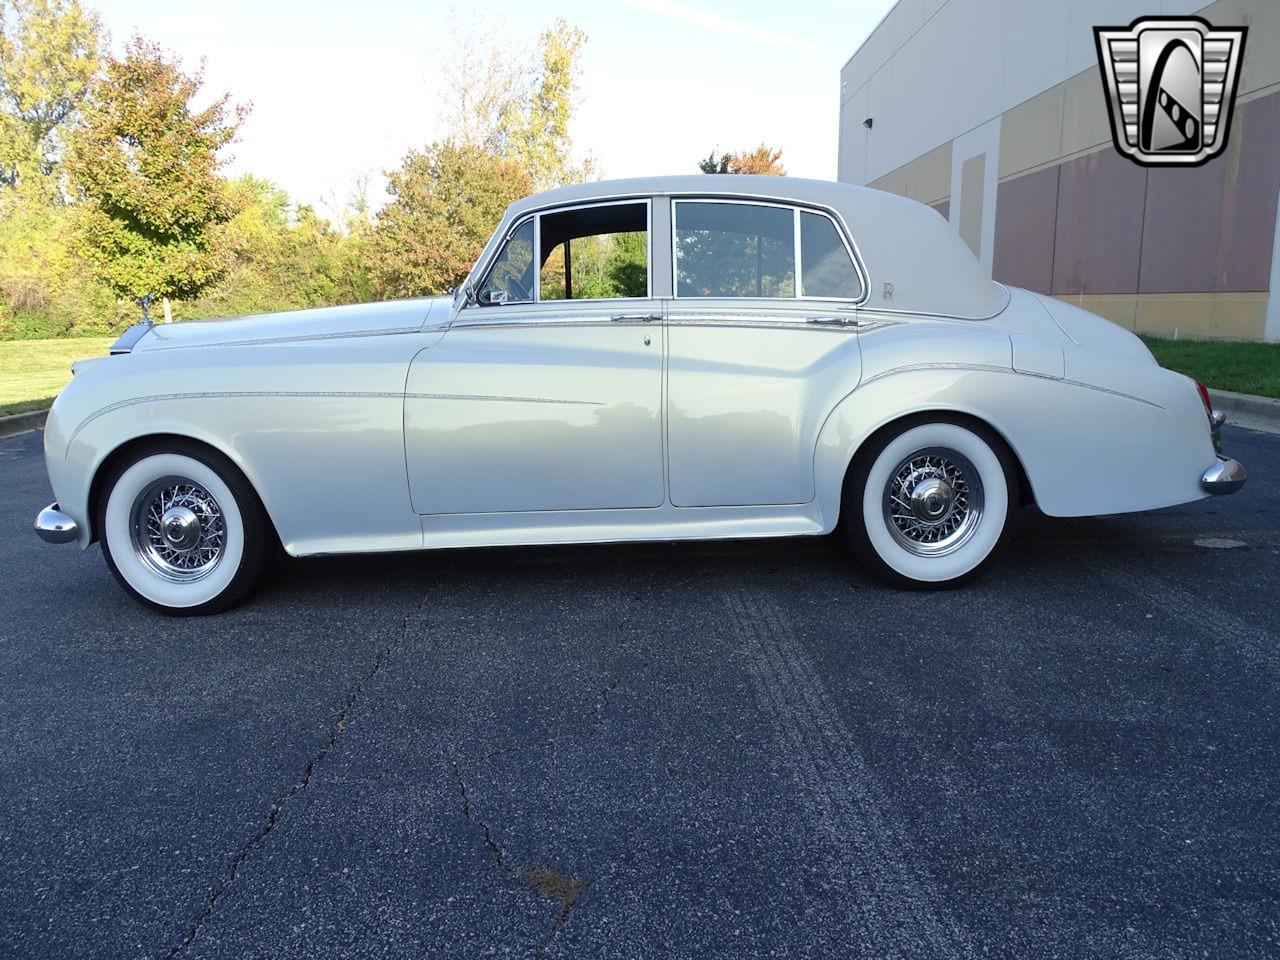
[825, 267]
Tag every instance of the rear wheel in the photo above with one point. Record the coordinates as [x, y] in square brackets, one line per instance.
[183, 532]
[927, 506]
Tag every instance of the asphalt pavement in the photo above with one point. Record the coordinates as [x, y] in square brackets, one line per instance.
[698, 750]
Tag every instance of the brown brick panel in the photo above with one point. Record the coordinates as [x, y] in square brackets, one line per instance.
[1026, 218]
[1098, 234]
[1210, 229]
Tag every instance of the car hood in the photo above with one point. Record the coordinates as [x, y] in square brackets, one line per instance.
[357, 320]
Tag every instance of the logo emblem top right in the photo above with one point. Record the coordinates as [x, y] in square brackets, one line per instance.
[1170, 84]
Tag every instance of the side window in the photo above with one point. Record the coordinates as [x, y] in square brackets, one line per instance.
[734, 250]
[595, 253]
[510, 280]
[826, 269]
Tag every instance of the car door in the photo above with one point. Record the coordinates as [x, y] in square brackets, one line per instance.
[546, 393]
[762, 343]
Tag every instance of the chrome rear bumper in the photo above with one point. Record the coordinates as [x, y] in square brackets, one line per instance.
[1225, 476]
[54, 526]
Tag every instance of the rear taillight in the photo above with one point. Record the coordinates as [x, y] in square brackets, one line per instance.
[1204, 398]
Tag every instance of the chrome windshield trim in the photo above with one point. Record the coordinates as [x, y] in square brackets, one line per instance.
[129, 339]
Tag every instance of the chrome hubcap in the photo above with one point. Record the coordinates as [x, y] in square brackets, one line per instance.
[177, 530]
[933, 502]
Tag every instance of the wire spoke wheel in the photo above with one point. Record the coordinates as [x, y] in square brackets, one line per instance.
[933, 502]
[177, 530]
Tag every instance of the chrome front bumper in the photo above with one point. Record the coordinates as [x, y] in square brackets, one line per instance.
[1225, 476]
[54, 526]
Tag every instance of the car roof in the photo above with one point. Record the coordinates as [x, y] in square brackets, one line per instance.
[914, 259]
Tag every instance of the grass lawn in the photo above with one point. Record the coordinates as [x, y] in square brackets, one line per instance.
[1241, 367]
[33, 371]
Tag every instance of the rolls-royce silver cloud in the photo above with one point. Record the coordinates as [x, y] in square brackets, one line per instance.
[655, 359]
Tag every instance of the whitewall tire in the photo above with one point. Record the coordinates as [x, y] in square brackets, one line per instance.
[182, 530]
[927, 505]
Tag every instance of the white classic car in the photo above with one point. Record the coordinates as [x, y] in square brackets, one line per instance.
[655, 359]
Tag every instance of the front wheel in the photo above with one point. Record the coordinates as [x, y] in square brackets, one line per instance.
[927, 506]
[183, 532]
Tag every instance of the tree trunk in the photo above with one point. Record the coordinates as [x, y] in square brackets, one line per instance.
[168, 311]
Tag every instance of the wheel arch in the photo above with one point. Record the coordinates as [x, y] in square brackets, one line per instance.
[161, 442]
[901, 422]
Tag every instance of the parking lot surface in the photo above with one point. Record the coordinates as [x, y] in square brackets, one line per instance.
[708, 750]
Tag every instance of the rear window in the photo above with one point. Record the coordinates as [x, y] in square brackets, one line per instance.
[734, 250]
[739, 249]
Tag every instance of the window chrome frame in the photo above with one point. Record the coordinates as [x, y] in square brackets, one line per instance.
[536, 217]
[797, 208]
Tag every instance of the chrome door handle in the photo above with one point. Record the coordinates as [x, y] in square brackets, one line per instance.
[640, 317]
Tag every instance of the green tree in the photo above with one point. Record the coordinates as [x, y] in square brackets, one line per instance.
[512, 105]
[282, 258]
[50, 51]
[538, 135]
[144, 163]
[761, 160]
[446, 202]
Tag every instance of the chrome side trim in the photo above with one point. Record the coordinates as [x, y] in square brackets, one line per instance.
[312, 394]
[54, 526]
[301, 338]
[1225, 476]
[992, 368]
[537, 323]
[501, 399]
[799, 324]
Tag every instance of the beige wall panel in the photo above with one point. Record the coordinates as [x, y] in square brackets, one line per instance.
[1217, 315]
[1262, 17]
[1227, 316]
[928, 178]
[892, 182]
[1031, 133]
[1085, 123]
[1118, 308]
[973, 175]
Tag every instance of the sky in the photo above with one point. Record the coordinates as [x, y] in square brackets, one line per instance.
[341, 90]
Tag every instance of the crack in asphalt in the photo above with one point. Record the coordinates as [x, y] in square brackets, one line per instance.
[272, 819]
[550, 883]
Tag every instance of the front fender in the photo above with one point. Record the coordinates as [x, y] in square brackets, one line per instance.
[316, 428]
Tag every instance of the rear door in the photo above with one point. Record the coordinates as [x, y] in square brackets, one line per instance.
[762, 344]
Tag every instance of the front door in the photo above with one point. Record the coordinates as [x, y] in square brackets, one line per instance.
[546, 394]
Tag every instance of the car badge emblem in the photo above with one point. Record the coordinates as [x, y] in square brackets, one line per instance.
[1170, 85]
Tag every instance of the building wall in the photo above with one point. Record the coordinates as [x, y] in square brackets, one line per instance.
[993, 112]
